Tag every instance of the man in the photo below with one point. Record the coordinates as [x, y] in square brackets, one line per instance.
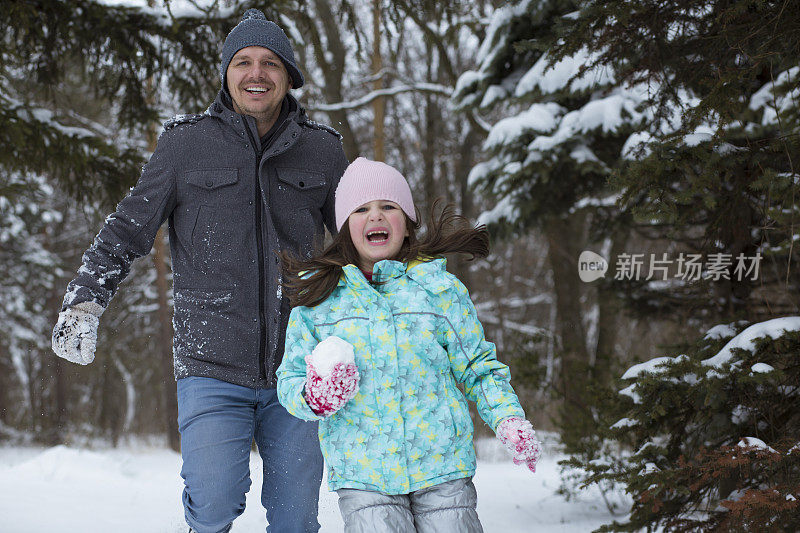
[250, 177]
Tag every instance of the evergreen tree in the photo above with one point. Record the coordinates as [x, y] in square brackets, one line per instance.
[715, 169]
[54, 401]
[550, 157]
[28, 264]
[708, 440]
[715, 443]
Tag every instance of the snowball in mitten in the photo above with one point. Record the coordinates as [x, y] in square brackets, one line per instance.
[75, 333]
[331, 376]
[517, 435]
[330, 351]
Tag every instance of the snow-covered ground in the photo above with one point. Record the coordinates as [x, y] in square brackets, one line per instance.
[136, 489]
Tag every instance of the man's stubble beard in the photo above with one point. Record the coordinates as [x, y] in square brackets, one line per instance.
[266, 116]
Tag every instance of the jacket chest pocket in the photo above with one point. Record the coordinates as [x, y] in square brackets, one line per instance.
[296, 205]
[298, 188]
[212, 183]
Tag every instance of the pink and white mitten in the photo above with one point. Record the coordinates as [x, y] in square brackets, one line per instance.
[331, 376]
[517, 435]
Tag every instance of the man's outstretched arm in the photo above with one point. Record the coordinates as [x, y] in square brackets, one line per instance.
[128, 233]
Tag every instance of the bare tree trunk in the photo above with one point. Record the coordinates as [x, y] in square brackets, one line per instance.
[379, 104]
[467, 150]
[563, 236]
[429, 138]
[169, 391]
[5, 386]
[332, 71]
[110, 415]
[57, 415]
[609, 316]
[58, 368]
[170, 399]
[463, 164]
[33, 396]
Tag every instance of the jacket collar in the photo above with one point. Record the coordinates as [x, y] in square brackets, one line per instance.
[222, 108]
[430, 274]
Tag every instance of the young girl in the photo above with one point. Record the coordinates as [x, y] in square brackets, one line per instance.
[394, 427]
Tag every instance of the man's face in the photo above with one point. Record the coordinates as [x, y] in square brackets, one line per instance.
[257, 80]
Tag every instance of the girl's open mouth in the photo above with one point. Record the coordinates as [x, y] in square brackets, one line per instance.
[377, 236]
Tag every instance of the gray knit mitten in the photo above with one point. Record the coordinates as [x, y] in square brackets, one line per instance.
[75, 333]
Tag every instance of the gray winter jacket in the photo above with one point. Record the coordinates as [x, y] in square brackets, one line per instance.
[229, 212]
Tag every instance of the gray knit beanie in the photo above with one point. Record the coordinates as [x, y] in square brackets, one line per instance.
[255, 30]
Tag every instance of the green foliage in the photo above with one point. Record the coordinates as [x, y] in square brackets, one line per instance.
[550, 156]
[86, 164]
[713, 435]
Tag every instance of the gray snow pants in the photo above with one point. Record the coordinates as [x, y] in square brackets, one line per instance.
[444, 508]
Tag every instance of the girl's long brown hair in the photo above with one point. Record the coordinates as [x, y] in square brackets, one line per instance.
[448, 232]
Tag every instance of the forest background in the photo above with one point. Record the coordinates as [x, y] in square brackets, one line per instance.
[661, 136]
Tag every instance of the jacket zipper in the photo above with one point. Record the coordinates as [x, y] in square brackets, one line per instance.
[262, 321]
[270, 369]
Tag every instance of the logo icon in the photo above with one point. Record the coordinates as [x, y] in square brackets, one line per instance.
[591, 266]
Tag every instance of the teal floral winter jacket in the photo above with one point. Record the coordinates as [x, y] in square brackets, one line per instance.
[415, 336]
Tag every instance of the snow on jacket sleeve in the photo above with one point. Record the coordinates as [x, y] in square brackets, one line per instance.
[473, 361]
[300, 341]
[129, 232]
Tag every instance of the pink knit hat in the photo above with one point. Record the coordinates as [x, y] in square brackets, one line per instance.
[365, 180]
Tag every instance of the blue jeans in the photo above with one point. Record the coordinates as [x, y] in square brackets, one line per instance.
[218, 422]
